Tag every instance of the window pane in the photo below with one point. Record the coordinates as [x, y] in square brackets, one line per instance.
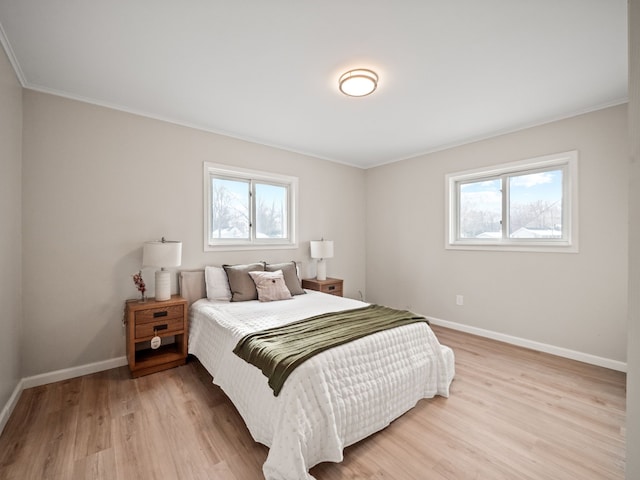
[535, 209]
[229, 209]
[271, 211]
[480, 209]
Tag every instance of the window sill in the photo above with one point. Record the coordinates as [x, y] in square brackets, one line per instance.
[230, 248]
[516, 247]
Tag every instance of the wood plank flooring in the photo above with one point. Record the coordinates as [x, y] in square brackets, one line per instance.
[512, 414]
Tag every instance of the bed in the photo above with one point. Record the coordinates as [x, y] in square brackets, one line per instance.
[333, 399]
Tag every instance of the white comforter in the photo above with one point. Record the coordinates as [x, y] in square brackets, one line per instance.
[332, 400]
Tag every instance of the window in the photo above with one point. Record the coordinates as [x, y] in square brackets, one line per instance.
[529, 205]
[248, 209]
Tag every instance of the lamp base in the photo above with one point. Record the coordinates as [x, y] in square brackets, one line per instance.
[163, 285]
[321, 270]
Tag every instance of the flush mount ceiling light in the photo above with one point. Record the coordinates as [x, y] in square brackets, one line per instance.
[358, 82]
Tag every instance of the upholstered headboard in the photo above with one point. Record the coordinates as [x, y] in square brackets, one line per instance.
[192, 285]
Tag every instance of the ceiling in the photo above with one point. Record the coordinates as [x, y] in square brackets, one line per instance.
[450, 72]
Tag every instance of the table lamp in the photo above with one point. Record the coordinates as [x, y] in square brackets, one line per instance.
[163, 254]
[321, 249]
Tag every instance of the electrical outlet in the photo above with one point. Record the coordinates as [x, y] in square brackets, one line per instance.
[459, 300]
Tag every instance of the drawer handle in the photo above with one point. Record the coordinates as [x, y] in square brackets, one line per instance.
[160, 327]
[160, 314]
[332, 287]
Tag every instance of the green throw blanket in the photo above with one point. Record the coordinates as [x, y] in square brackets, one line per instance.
[278, 351]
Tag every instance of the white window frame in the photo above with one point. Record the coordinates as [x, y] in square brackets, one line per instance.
[567, 161]
[212, 170]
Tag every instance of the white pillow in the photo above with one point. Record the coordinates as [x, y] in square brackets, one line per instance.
[217, 284]
[270, 286]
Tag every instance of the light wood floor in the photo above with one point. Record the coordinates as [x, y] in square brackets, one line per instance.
[512, 414]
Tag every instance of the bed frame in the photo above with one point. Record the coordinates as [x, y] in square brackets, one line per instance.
[191, 285]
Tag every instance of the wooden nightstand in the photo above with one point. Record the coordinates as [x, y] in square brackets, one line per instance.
[164, 319]
[330, 285]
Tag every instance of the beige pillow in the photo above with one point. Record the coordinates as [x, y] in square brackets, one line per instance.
[290, 273]
[270, 286]
[240, 283]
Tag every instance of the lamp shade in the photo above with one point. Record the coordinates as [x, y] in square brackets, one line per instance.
[163, 253]
[321, 248]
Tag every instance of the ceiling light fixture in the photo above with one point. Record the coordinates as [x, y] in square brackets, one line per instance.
[358, 82]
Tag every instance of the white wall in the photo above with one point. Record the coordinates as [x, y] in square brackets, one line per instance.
[572, 301]
[10, 228]
[633, 361]
[99, 182]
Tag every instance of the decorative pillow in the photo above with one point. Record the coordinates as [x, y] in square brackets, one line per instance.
[217, 284]
[240, 283]
[291, 279]
[270, 286]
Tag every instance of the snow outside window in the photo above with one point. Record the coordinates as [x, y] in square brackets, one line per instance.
[248, 209]
[529, 206]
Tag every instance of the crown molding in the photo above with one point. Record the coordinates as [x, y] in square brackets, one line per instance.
[12, 57]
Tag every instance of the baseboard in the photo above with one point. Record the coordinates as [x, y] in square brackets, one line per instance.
[538, 346]
[55, 376]
[73, 372]
[11, 404]
[67, 373]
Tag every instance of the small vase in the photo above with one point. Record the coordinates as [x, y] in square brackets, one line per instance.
[143, 298]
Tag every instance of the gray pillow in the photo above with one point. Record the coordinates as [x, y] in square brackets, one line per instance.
[290, 276]
[242, 286]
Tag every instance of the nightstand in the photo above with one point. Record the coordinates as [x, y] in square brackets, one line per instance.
[151, 318]
[330, 285]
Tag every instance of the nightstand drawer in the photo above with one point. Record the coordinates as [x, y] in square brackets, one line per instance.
[335, 289]
[332, 286]
[162, 327]
[159, 314]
